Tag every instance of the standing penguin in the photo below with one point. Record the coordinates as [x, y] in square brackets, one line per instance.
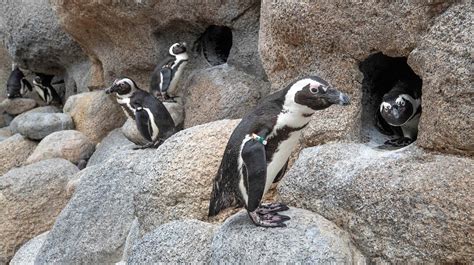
[153, 120]
[17, 85]
[258, 150]
[166, 74]
[401, 109]
[45, 90]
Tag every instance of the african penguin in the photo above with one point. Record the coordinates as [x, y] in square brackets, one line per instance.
[45, 90]
[166, 74]
[17, 85]
[401, 108]
[258, 150]
[153, 120]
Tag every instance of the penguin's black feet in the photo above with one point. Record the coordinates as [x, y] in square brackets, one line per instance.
[270, 219]
[400, 142]
[274, 207]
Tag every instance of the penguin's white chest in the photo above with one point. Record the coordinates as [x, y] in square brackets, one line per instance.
[125, 103]
[41, 93]
[176, 78]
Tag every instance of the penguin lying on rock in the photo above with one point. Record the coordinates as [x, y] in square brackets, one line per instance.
[166, 74]
[45, 90]
[401, 109]
[17, 85]
[153, 120]
[258, 150]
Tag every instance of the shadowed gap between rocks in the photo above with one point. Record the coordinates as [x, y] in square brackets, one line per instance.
[381, 73]
[215, 44]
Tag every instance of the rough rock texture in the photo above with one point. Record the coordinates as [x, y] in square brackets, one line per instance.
[401, 206]
[26, 255]
[148, 28]
[180, 242]
[221, 92]
[45, 109]
[180, 187]
[94, 225]
[34, 38]
[95, 114]
[17, 106]
[69, 144]
[444, 60]
[309, 238]
[5, 68]
[132, 238]
[30, 199]
[114, 143]
[130, 131]
[37, 126]
[14, 151]
[5, 133]
[330, 39]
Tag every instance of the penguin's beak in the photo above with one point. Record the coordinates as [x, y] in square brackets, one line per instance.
[109, 90]
[335, 96]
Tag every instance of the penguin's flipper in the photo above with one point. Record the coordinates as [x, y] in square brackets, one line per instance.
[143, 122]
[165, 75]
[27, 84]
[254, 171]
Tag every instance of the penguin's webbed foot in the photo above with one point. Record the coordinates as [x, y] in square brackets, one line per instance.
[269, 219]
[274, 207]
[400, 142]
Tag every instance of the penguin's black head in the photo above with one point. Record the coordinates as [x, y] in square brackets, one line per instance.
[315, 93]
[397, 110]
[177, 48]
[42, 79]
[122, 86]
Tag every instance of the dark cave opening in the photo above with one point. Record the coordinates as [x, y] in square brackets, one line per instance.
[215, 44]
[381, 74]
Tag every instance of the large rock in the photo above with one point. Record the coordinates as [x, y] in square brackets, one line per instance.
[37, 126]
[400, 206]
[94, 225]
[444, 60]
[95, 114]
[14, 151]
[26, 255]
[5, 133]
[17, 105]
[114, 143]
[148, 28]
[70, 145]
[165, 244]
[180, 187]
[221, 92]
[45, 109]
[309, 238]
[30, 199]
[130, 131]
[5, 68]
[36, 40]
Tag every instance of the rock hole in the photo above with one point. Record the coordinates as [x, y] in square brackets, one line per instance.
[381, 74]
[215, 44]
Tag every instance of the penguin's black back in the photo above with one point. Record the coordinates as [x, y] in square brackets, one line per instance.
[14, 80]
[161, 115]
[155, 76]
[225, 191]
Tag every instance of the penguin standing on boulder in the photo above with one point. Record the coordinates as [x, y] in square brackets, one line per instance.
[45, 90]
[166, 75]
[153, 120]
[401, 109]
[258, 150]
[17, 85]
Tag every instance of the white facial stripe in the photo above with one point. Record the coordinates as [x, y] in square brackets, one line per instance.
[290, 103]
[126, 80]
[171, 49]
[384, 105]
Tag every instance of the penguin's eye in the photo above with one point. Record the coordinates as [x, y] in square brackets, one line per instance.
[314, 89]
[402, 103]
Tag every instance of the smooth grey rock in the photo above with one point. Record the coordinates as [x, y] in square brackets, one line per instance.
[26, 255]
[14, 151]
[68, 144]
[37, 126]
[44, 109]
[308, 239]
[177, 242]
[17, 105]
[31, 197]
[130, 131]
[93, 227]
[5, 133]
[401, 206]
[112, 144]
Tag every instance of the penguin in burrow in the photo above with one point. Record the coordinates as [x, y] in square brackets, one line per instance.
[17, 84]
[401, 110]
[258, 150]
[166, 74]
[151, 117]
[45, 90]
